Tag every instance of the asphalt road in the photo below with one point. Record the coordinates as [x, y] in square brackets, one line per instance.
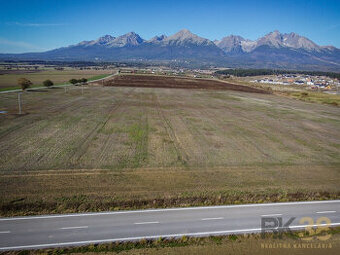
[38, 232]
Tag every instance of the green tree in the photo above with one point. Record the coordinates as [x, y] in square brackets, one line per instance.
[24, 83]
[48, 83]
[83, 80]
[73, 81]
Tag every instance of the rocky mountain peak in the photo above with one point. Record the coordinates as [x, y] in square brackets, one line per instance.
[299, 42]
[158, 38]
[105, 39]
[182, 34]
[101, 41]
[230, 43]
[184, 37]
[272, 39]
[129, 39]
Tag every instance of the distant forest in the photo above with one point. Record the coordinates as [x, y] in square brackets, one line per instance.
[255, 72]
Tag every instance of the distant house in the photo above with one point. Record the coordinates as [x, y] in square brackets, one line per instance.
[299, 82]
[125, 71]
[320, 85]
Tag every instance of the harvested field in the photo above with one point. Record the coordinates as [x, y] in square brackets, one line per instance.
[153, 81]
[10, 78]
[128, 147]
[2, 72]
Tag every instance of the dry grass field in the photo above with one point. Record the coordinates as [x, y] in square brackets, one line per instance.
[129, 147]
[289, 243]
[298, 92]
[242, 245]
[57, 76]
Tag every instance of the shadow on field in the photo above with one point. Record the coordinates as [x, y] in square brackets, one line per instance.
[37, 90]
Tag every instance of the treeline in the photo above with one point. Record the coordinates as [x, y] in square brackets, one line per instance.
[26, 83]
[256, 72]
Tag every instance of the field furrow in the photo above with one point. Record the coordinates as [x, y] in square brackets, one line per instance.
[122, 147]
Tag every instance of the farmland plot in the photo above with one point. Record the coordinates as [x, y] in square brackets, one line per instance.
[145, 147]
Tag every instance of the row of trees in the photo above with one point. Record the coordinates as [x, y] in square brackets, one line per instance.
[26, 83]
[78, 81]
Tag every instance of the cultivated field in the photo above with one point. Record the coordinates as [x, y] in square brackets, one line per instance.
[131, 147]
[10, 80]
[152, 81]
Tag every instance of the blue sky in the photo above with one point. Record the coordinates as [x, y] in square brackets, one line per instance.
[39, 25]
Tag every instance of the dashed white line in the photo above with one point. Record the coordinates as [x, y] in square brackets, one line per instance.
[271, 215]
[218, 218]
[148, 222]
[46, 245]
[327, 212]
[79, 227]
[5, 232]
[167, 210]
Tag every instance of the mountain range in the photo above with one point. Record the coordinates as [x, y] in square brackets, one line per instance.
[274, 50]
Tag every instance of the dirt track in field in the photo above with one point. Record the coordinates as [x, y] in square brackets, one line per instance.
[153, 81]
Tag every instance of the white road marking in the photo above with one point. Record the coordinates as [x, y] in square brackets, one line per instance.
[270, 215]
[148, 222]
[327, 212]
[79, 227]
[166, 210]
[5, 232]
[251, 230]
[218, 218]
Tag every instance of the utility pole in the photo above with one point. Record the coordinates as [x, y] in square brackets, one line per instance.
[82, 89]
[19, 102]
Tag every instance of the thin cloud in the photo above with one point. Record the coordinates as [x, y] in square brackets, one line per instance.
[333, 27]
[19, 44]
[34, 24]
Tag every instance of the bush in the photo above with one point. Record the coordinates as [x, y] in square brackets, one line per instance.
[270, 90]
[24, 83]
[232, 237]
[73, 81]
[48, 83]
